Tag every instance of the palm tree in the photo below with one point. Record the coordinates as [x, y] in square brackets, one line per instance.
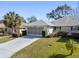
[13, 21]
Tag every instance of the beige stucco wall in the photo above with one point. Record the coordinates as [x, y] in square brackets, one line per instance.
[66, 29]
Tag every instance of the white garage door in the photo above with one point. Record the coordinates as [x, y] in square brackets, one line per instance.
[35, 30]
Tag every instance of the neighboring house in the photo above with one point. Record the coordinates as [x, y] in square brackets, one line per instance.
[2, 27]
[36, 28]
[22, 28]
[68, 24]
[9, 30]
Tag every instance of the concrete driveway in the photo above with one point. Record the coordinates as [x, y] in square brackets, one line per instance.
[9, 48]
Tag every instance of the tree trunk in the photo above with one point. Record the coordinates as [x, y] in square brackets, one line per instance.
[13, 30]
[71, 52]
[17, 30]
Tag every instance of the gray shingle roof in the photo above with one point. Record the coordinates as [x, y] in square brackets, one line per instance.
[40, 23]
[66, 21]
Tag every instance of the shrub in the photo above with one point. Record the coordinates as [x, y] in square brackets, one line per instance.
[75, 35]
[63, 34]
[15, 35]
[43, 33]
[70, 46]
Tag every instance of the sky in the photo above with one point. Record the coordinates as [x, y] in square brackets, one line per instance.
[32, 8]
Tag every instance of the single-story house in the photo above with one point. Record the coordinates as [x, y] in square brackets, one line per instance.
[68, 24]
[36, 28]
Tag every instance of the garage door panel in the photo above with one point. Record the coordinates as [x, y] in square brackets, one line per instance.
[35, 31]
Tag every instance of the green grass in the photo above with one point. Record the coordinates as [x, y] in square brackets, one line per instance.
[47, 47]
[5, 38]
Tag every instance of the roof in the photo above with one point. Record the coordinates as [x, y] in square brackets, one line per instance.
[2, 25]
[40, 23]
[66, 21]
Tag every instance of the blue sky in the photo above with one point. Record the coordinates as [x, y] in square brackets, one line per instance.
[32, 8]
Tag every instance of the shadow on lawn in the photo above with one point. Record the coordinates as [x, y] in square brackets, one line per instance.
[65, 39]
[31, 37]
[58, 56]
[76, 39]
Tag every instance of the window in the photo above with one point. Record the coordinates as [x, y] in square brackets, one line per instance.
[74, 28]
[71, 28]
[60, 28]
[54, 28]
[78, 28]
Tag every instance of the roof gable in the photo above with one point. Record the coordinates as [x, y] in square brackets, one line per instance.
[40, 23]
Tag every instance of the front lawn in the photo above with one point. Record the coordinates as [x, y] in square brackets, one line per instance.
[5, 38]
[47, 48]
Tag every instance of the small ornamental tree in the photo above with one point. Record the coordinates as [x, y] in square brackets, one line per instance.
[70, 46]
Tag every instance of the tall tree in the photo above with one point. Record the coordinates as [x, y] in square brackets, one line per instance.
[32, 19]
[13, 21]
[51, 14]
[59, 12]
